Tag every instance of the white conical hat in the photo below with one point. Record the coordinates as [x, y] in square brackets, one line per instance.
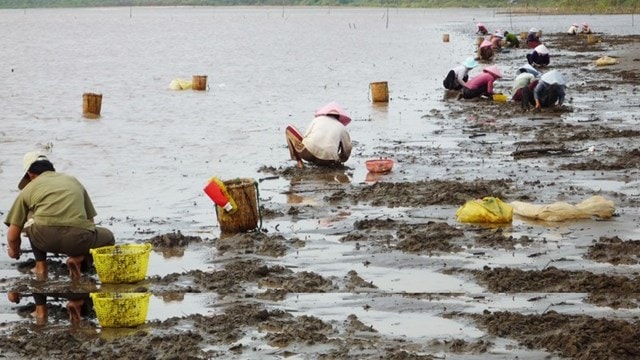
[541, 49]
[553, 77]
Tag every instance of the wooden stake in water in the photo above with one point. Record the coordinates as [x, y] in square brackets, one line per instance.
[387, 17]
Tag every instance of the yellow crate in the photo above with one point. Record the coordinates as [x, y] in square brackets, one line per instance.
[121, 264]
[121, 309]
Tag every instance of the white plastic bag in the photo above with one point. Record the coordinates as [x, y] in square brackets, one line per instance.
[596, 206]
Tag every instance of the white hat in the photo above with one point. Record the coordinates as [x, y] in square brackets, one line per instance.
[28, 160]
[553, 77]
[541, 49]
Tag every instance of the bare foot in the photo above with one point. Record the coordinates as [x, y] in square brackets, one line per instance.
[300, 164]
[41, 314]
[40, 270]
[74, 308]
[73, 264]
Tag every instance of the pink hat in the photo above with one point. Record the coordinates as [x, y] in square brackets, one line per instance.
[333, 108]
[493, 70]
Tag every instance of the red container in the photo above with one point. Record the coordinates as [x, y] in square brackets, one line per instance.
[379, 165]
[216, 194]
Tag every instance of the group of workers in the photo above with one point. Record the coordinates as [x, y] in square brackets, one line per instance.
[56, 213]
[531, 87]
[574, 29]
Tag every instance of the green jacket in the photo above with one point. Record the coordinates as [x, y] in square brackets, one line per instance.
[53, 199]
[512, 39]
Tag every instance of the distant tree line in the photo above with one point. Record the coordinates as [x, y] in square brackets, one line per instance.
[574, 5]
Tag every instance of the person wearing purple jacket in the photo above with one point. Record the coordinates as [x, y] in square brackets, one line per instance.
[481, 84]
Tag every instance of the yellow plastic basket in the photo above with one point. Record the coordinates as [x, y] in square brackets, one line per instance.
[121, 309]
[500, 97]
[121, 264]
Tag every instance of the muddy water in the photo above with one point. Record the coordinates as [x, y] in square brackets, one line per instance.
[147, 158]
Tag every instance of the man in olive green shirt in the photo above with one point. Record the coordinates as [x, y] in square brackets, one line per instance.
[56, 213]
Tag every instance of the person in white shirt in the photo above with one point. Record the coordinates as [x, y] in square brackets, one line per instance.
[573, 30]
[458, 76]
[326, 141]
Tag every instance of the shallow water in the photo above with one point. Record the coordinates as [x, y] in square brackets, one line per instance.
[147, 158]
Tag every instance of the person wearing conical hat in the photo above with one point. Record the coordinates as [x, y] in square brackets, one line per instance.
[481, 29]
[574, 29]
[522, 80]
[533, 39]
[459, 75]
[485, 49]
[496, 40]
[586, 29]
[549, 92]
[481, 84]
[539, 56]
[326, 141]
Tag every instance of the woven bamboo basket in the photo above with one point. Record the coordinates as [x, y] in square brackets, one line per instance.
[379, 91]
[91, 105]
[245, 193]
[199, 82]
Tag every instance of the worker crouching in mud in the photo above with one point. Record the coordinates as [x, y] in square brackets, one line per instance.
[457, 77]
[56, 213]
[481, 84]
[326, 141]
[549, 91]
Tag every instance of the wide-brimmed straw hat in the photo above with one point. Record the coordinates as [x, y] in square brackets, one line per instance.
[493, 70]
[333, 108]
[28, 160]
[553, 77]
[470, 63]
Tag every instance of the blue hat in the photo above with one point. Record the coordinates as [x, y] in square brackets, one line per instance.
[470, 63]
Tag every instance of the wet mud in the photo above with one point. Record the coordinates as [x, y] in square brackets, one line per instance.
[249, 282]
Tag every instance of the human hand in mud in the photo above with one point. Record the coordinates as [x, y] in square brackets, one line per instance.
[13, 296]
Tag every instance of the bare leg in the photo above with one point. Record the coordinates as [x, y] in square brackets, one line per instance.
[74, 263]
[73, 308]
[41, 314]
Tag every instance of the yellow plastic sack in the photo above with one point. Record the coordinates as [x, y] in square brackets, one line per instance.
[487, 210]
[560, 211]
[180, 84]
[606, 60]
